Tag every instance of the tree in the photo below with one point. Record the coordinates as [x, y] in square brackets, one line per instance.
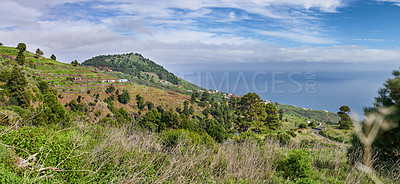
[140, 102]
[110, 89]
[345, 120]
[150, 105]
[54, 112]
[43, 87]
[125, 97]
[254, 113]
[53, 57]
[170, 119]
[345, 108]
[1, 44]
[280, 112]
[302, 125]
[16, 87]
[39, 52]
[217, 131]
[21, 57]
[21, 47]
[205, 96]
[312, 125]
[152, 121]
[75, 63]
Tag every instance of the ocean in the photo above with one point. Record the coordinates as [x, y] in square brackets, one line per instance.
[316, 89]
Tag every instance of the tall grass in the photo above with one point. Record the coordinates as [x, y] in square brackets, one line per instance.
[127, 155]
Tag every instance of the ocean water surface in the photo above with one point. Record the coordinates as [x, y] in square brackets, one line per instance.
[313, 89]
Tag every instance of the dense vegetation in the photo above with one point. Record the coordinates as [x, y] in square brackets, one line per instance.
[133, 64]
[99, 132]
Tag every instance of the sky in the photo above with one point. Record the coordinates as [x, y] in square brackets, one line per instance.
[205, 33]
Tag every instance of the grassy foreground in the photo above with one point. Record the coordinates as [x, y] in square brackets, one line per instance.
[94, 154]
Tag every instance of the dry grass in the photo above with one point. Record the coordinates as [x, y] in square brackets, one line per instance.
[140, 157]
[126, 155]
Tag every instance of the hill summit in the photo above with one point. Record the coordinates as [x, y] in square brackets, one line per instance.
[133, 64]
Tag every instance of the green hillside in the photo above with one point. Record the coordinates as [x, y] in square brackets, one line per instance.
[296, 115]
[139, 69]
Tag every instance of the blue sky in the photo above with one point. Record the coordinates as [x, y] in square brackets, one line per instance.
[204, 32]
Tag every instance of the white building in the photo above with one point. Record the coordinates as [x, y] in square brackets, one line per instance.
[123, 80]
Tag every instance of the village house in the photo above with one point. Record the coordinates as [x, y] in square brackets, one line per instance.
[110, 81]
[123, 80]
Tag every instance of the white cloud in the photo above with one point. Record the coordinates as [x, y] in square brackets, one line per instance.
[14, 14]
[395, 2]
[152, 28]
[302, 36]
[372, 40]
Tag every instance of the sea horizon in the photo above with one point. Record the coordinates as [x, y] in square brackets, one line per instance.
[310, 89]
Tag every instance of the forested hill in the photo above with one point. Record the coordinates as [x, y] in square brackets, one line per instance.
[132, 64]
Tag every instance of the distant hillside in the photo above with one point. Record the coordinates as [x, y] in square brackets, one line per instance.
[89, 85]
[133, 64]
[297, 115]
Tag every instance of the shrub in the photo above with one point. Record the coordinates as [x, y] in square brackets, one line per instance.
[5, 75]
[54, 112]
[345, 124]
[283, 137]
[124, 98]
[291, 133]
[302, 125]
[52, 149]
[218, 132]
[170, 139]
[296, 165]
[312, 125]
[249, 137]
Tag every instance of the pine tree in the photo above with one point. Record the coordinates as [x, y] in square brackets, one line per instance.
[39, 52]
[21, 57]
[254, 113]
[53, 57]
[345, 120]
[75, 63]
[16, 87]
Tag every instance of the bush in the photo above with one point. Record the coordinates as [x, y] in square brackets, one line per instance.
[249, 137]
[5, 75]
[312, 125]
[172, 138]
[52, 150]
[283, 137]
[124, 98]
[291, 133]
[54, 112]
[345, 124]
[218, 132]
[302, 125]
[296, 165]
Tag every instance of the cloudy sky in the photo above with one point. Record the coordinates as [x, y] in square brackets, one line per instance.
[204, 32]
